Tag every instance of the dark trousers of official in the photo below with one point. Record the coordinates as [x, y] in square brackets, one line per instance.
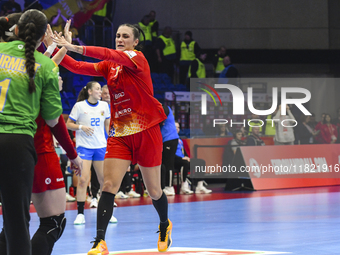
[183, 72]
[167, 66]
[18, 159]
[168, 160]
[194, 176]
[179, 162]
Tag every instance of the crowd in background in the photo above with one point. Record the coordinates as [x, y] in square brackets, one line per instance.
[185, 59]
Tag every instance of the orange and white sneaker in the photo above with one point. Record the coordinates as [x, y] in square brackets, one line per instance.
[164, 240]
[99, 248]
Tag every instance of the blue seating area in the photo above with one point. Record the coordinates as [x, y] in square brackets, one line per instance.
[162, 83]
[69, 98]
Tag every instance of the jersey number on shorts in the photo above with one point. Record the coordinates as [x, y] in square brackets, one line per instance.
[95, 121]
[4, 85]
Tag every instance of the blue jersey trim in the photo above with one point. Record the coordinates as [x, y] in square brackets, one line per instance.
[72, 119]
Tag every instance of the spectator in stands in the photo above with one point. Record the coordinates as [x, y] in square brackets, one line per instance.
[154, 25]
[182, 160]
[144, 24]
[254, 121]
[223, 130]
[230, 150]
[166, 52]
[336, 122]
[189, 51]
[254, 138]
[318, 138]
[146, 40]
[197, 67]
[305, 132]
[170, 142]
[269, 125]
[312, 122]
[237, 141]
[328, 130]
[9, 7]
[284, 134]
[218, 60]
[228, 72]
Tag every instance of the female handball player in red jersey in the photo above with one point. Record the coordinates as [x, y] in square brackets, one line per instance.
[135, 135]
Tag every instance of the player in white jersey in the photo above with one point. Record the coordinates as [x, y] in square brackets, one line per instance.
[88, 118]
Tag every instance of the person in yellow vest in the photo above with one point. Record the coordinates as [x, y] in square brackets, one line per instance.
[270, 125]
[146, 42]
[166, 52]
[197, 67]
[154, 25]
[254, 121]
[154, 33]
[101, 13]
[144, 24]
[218, 60]
[189, 50]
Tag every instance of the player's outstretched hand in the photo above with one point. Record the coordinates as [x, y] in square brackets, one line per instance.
[67, 32]
[61, 41]
[48, 36]
[77, 165]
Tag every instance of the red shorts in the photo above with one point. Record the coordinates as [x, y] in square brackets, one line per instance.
[144, 148]
[47, 173]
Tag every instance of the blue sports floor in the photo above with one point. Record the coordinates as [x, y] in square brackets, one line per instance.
[294, 221]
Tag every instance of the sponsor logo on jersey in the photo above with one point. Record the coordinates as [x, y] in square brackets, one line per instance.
[48, 181]
[102, 113]
[60, 179]
[123, 112]
[119, 95]
[130, 53]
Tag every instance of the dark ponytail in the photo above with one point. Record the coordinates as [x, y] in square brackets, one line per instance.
[6, 23]
[30, 43]
[137, 31]
[84, 93]
[32, 26]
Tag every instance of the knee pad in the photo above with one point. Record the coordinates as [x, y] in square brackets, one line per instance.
[53, 226]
